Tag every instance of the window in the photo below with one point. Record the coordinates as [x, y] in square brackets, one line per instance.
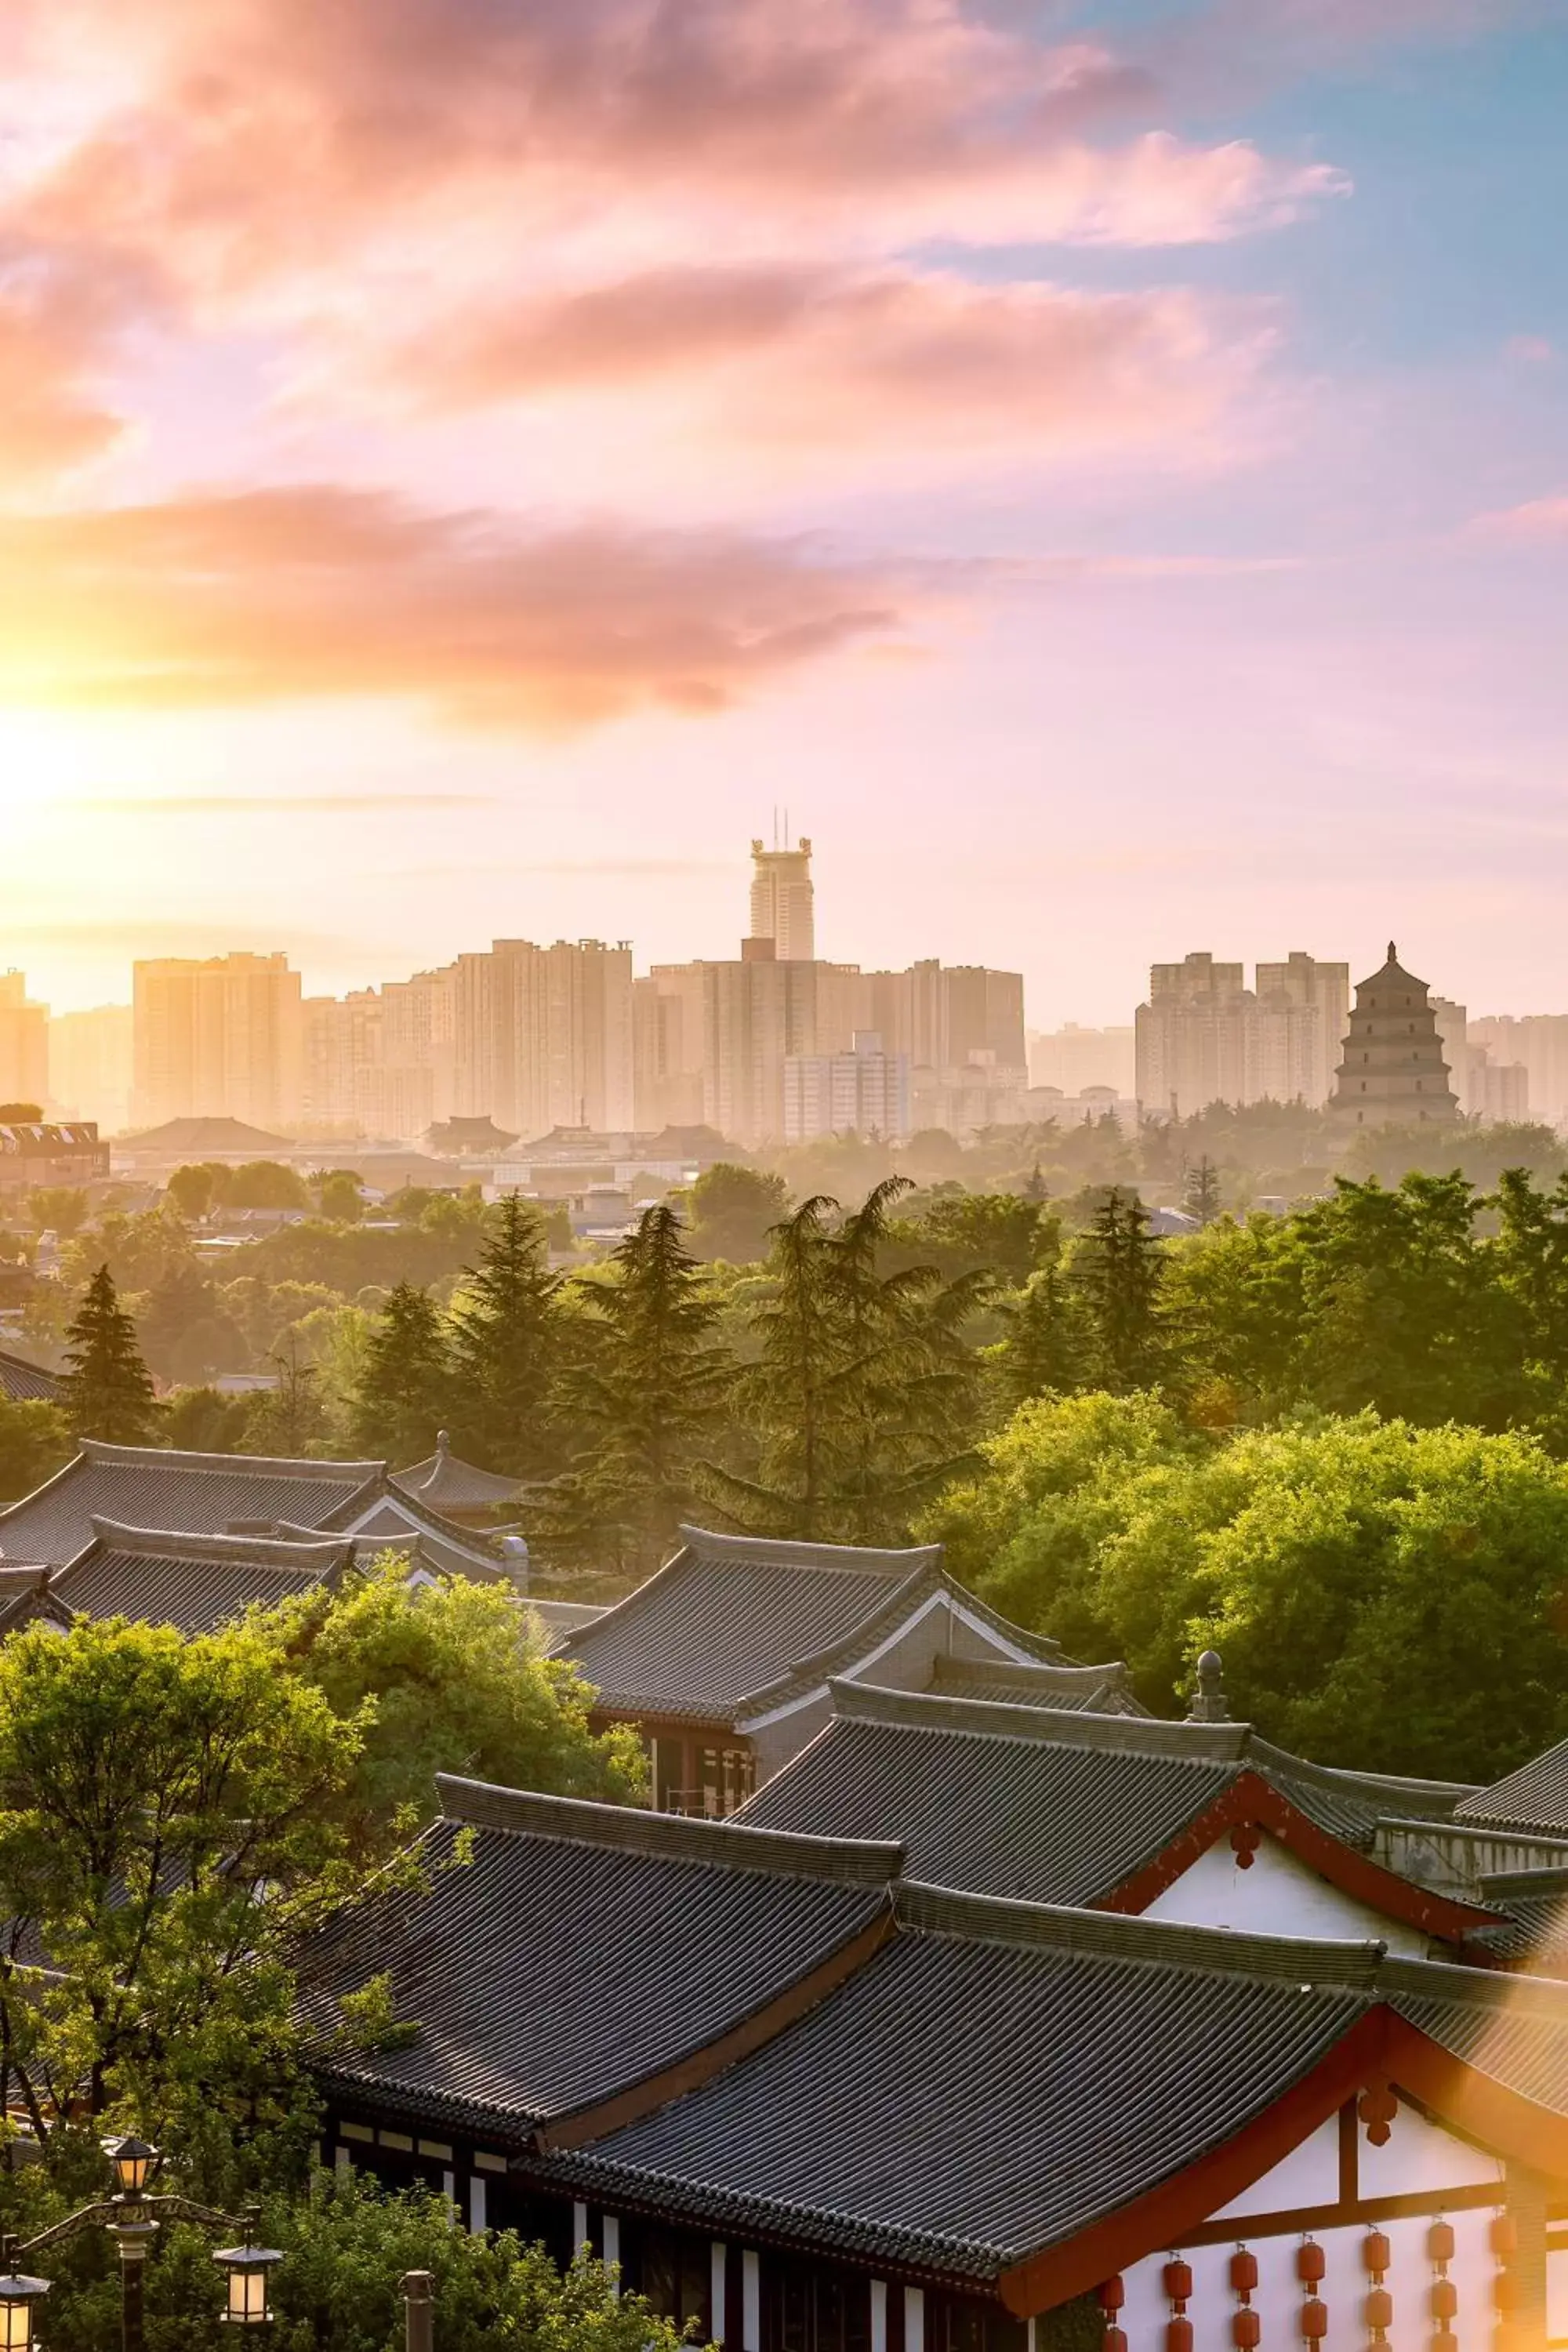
[959, 2322]
[811, 2307]
[674, 2269]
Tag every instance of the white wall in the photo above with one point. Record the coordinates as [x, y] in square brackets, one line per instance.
[1279, 1895]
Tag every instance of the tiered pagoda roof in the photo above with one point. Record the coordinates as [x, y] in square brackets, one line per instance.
[1392, 1069]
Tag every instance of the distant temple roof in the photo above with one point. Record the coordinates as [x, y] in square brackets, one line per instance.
[459, 1136]
[449, 1484]
[201, 1138]
[1533, 1799]
[23, 1383]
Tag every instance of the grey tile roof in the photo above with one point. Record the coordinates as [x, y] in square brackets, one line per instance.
[449, 1484]
[21, 1383]
[193, 1582]
[583, 1948]
[1104, 1690]
[194, 1494]
[1536, 1903]
[1047, 1805]
[730, 1614]
[400, 1522]
[1000, 2077]
[1533, 1798]
[1001, 1800]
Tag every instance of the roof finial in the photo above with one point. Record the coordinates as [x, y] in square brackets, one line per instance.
[443, 1443]
[1209, 1704]
[1393, 952]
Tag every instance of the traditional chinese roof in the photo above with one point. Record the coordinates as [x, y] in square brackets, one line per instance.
[1031, 2098]
[27, 1593]
[192, 1494]
[584, 1951]
[735, 1626]
[195, 1582]
[1534, 1799]
[1069, 1807]
[449, 1484]
[21, 1383]
[1103, 1690]
[1535, 1935]
[156, 1489]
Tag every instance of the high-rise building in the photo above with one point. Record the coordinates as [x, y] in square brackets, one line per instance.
[863, 1092]
[217, 1037]
[541, 1037]
[1071, 1058]
[756, 1013]
[23, 1044]
[1538, 1044]
[1203, 1036]
[1394, 1071]
[89, 1066]
[667, 1047]
[984, 1018]
[782, 901]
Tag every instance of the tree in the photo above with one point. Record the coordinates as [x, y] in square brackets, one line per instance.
[339, 1196]
[205, 1420]
[107, 1389]
[154, 1787]
[185, 1333]
[265, 1184]
[647, 1394]
[292, 1417]
[21, 1114]
[732, 1211]
[970, 1232]
[863, 1386]
[1043, 1344]
[193, 1188]
[506, 1348]
[447, 1679]
[402, 1392]
[59, 1209]
[1201, 1196]
[35, 1441]
[1118, 1268]
[1384, 1596]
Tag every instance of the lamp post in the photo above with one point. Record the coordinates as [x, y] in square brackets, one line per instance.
[18, 2296]
[132, 2223]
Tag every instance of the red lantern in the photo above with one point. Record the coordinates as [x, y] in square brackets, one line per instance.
[1503, 2237]
[1178, 2335]
[1505, 2290]
[1113, 2293]
[1443, 2340]
[1246, 2329]
[1440, 2243]
[1242, 2272]
[1376, 2253]
[1314, 2321]
[1443, 2299]
[1378, 2308]
[1116, 2339]
[1310, 2263]
[1177, 2279]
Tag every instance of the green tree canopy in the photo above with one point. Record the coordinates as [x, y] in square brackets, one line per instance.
[108, 1390]
[403, 1391]
[506, 1348]
[1117, 1266]
[1382, 1595]
[450, 1677]
[647, 1395]
[732, 1210]
[36, 1440]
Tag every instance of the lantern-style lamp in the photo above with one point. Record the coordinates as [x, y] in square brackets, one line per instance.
[134, 2163]
[18, 2296]
[248, 2266]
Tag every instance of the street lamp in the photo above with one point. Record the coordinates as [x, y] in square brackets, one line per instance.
[18, 2296]
[248, 2266]
[134, 2163]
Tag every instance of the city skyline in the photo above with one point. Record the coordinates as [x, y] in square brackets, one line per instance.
[1091, 461]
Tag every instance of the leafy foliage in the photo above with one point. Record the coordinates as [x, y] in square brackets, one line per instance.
[36, 1440]
[506, 1347]
[404, 1388]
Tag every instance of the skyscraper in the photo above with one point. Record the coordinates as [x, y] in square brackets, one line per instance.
[541, 1037]
[782, 901]
[1204, 1037]
[23, 1044]
[217, 1037]
[1393, 1072]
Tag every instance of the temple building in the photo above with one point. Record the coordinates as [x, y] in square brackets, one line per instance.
[1393, 1072]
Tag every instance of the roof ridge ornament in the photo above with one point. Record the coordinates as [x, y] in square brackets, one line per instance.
[1209, 1701]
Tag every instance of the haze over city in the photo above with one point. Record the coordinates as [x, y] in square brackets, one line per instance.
[1105, 468]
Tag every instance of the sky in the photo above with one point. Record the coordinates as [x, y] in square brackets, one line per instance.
[464, 465]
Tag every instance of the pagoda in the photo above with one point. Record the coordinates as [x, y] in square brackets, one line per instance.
[1392, 1072]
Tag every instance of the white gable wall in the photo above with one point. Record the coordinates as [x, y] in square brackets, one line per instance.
[1279, 1895]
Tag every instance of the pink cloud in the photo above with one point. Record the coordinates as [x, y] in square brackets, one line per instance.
[60, 319]
[1539, 520]
[286, 594]
[813, 358]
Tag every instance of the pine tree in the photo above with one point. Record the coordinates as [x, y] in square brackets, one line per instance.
[1043, 1349]
[403, 1387]
[507, 1348]
[648, 1392]
[1202, 1197]
[107, 1391]
[863, 1391]
[1119, 1268]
